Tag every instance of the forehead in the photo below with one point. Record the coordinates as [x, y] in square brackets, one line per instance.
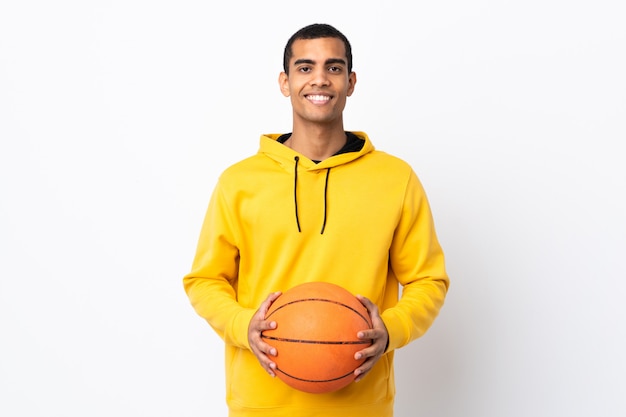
[319, 49]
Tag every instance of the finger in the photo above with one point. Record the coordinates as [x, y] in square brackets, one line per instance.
[371, 355]
[269, 300]
[270, 350]
[267, 364]
[260, 341]
[377, 347]
[265, 305]
[265, 348]
[371, 307]
[263, 352]
[271, 369]
[261, 325]
[362, 370]
[371, 334]
[369, 352]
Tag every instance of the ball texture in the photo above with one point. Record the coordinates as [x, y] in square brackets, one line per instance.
[316, 336]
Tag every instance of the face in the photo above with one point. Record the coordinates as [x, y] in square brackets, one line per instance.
[318, 82]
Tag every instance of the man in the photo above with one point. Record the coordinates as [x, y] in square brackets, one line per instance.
[318, 204]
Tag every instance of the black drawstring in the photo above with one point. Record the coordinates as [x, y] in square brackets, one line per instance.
[295, 194]
[295, 188]
[325, 192]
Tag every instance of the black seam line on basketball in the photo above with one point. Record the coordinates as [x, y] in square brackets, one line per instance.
[314, 380]
[325, 300]
[317, 342]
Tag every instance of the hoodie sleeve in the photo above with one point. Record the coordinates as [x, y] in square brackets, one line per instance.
[417, 260]
[211, 284]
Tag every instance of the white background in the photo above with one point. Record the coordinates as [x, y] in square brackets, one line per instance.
[117, 116]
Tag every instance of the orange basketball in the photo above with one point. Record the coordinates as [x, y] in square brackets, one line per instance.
[315, 336]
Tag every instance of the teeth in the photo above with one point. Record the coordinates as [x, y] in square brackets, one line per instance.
[318, 98]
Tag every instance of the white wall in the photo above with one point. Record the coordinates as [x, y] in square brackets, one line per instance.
[117, 116]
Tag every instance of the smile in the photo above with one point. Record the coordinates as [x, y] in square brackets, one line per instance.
[318, 98]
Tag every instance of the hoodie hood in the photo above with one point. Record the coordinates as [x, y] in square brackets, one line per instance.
[295, 162]
[285, 156]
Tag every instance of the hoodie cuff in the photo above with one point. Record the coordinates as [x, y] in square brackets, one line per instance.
[396, 331]
[239, 329]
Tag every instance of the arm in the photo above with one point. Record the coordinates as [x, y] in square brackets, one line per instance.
[211, 284]
[417, 261]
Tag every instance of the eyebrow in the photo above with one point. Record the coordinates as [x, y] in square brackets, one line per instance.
[328, 61]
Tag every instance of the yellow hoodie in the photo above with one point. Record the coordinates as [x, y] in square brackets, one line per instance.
[277, 219]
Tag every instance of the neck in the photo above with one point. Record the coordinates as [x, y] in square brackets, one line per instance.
[317, 144]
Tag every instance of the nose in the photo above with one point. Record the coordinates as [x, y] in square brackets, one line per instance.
[319, 78]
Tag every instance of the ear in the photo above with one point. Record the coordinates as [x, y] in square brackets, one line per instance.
[283, 83]
[351, 83]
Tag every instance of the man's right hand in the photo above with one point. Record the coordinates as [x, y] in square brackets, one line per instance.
[258, 324]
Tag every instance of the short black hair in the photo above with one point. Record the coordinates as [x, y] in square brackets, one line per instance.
[316, 31]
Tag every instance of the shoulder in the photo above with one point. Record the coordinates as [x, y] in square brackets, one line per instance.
[243, 167]
[377, 156]
[251, 173]
[390, 161]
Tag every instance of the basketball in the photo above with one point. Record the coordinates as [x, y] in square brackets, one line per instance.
[315, 337]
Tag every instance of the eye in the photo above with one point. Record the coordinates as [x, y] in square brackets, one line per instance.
[304, 69]
[334, 69]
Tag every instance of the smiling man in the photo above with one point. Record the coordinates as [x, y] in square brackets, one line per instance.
[318, 80]
[316, 204]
